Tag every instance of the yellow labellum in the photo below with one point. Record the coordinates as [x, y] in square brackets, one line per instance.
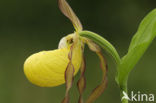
[47, 68]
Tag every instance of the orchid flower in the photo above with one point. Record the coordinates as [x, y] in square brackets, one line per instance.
[56, 67]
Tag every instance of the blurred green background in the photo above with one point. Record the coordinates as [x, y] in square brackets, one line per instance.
[30, 26]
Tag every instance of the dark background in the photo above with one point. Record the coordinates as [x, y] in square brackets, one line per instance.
[30, 26]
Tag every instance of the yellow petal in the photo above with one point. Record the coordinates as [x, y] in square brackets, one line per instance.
[46, 68]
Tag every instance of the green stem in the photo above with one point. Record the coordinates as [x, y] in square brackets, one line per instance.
[103, 43]
[123, 89]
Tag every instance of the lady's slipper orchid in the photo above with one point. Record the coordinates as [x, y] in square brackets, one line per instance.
[55, 67]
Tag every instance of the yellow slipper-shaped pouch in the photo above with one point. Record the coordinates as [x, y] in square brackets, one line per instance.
[47, 68]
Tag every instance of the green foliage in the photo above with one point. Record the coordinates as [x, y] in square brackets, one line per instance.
[139, 44]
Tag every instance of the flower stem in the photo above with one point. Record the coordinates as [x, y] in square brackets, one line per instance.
[123, 89]
[103, 43]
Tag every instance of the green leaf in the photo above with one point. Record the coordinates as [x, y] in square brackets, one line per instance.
[139, 44]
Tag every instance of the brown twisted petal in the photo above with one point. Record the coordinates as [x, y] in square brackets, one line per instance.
[69, 73]
[69, 76]
[82, 81]
[100, 88]
[69, 13]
